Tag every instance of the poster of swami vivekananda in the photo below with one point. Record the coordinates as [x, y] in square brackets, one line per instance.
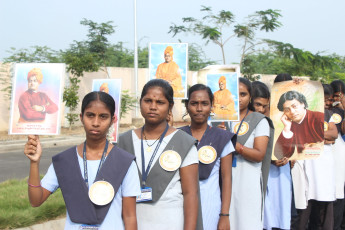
[113, 88]
[36, 99]
[169, 61]
[297, 112]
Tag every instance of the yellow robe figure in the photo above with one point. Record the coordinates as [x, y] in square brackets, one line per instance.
[170, 72]
[224, 105]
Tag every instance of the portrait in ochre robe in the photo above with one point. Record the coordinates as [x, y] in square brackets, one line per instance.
[170, 71]
[104, 87]
[223, 102]
[34, 105]
[303, 128]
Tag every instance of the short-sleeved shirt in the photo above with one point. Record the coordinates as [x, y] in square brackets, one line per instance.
[167, 212]
[210, 192]
[130, 187]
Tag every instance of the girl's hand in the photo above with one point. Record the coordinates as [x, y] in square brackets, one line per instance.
[281, 162]
[33, 149]
[223, 223]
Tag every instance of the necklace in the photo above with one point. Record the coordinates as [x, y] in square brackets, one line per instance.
[148, 148]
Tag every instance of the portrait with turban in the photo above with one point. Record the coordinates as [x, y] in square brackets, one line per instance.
[34, 105]
[224, 88]
[104, 87]
[168, 61]
[113, 88]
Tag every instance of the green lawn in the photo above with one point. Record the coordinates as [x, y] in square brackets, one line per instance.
[16, 211]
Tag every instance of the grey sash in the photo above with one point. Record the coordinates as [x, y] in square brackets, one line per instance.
[73, 187]
[253, 120]
[158, 178]
[266, 162]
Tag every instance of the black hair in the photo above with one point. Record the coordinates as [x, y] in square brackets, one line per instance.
[338, 86]
[168, 91]
[290, 95]
[248, 85]
[327, 89]
[259, 89]
[282, 77]
[198, 87]
[99, 96]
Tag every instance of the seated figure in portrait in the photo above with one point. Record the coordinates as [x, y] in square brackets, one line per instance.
[170, 72]
[223, 102]
[34, 105]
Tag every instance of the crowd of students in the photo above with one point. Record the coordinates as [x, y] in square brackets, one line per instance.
[200, 176]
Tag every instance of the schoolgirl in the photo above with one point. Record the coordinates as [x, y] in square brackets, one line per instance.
[167, 161]
[320, 176]
[253, 135]
[214, 151]
[334, 103]
[99, 182]
[279, 189]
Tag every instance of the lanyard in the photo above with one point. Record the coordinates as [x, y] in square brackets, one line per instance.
[145, 172]
[239, 127]
[86, 178]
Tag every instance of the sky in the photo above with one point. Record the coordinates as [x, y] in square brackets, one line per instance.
[313, 25]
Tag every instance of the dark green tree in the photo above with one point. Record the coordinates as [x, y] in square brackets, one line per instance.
[220, 27]
[85, 56]
[285, 58]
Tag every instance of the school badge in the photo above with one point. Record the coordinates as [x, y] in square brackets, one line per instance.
[207, 154]
[336, 118]
[243, 129]
[101, 193]
[170, 160]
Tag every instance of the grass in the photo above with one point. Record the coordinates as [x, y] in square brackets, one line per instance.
[15, 208]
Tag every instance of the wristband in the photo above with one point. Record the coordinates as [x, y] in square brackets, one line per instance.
[224, 214]
[34, 186]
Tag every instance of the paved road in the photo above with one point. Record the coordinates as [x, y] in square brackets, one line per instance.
[14, 164]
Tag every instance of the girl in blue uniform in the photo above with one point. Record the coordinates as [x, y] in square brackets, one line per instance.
[214, 148]
[75, 171]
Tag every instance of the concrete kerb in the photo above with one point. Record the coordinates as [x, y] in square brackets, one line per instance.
[57, 224]
[10, 145]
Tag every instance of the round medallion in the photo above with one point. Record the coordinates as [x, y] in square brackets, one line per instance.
[170, 160]
[207, 154]
[325, 126]
[243, 130]
[336, 118]
[101, 193]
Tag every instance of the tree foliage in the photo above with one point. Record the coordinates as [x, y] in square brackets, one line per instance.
[38, 54]
[197, 58]
[128, 102]
[220, 27]
[284, 57]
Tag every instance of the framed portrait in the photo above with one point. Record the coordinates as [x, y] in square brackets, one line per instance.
[224, 86]
[36, 98]
[298, 118]
[113, 88]
[169, 61]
